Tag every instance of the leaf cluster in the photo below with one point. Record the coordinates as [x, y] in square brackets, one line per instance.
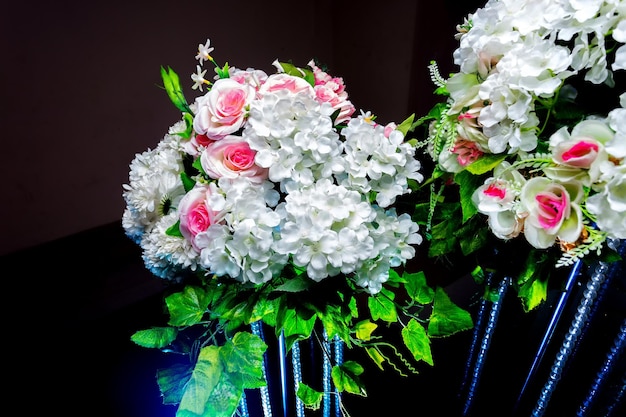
[210, 324]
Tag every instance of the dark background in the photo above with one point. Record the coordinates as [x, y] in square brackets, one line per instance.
[81, 97]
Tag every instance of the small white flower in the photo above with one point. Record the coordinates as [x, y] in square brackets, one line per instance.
[198, 78]
[204, 52]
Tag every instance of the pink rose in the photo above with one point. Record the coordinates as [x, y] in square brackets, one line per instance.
[332, 90]
[196, 144]
[389, 127]
[466, 151]
[223, 110]
[195, 214]
[553, 211]
[276, 82]
[231, 157]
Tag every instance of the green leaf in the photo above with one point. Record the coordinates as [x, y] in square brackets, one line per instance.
[223, 401]
[305, 73]
[171, 82]
[296, 284]
[447, 318]
[310, 398]
[417, 341]
[243, 359]
[188, 182]
[364, 329]
[172, 382]
[204, 380]
[468, 183]
[346, 378]
[405, 126]
[296, 323]
[472, 238]
[376, 356]
[382, 307]
[265, 310]
[187, 308]
[533, 293]
[485, 164]
[444, 239]
[156, 337]
[223, 72]
[336, 321]
[417, 288]
[174, 230]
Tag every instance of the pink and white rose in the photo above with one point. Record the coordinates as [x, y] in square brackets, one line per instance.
[232, 158]
[553, 211]
[580, 154]
[196, 144]
[196, 212]
[282, 81]
[332, 90]
[498, 198]
[223, 109]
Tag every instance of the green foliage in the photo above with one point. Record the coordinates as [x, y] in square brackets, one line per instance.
[172, 86]
[225, 358]
[364, 329]
[485, 164]
[346, 378]
[187, 308]
[305, 73]
[417, 287]
[406, 125]
[310, 398]
[382, 307]
[156, 337]
[447, 318]
[173, 381]
[532, 293]
[417, 341]
[220, 376]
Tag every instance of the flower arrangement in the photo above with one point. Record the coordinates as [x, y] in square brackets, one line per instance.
[271, 201]
[531, 138]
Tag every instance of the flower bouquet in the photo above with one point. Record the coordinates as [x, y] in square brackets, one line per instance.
[528, 149]
[270, 201]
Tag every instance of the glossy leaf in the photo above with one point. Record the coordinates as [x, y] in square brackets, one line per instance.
[205, 378]
[310, 398]
[171, 82]
[305, 73]
[447, 318]
[533, 293]
[346, 378]
[417, 341]
[296, 324]
[376, 356]
[417, 288]
[382, 307]
[485, 163]
[364, 329]
[156, 337]
[187, 308]
[173, 381]
[243, 359]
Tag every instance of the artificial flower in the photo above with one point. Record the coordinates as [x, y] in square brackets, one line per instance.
[272, 201]
[523, 139]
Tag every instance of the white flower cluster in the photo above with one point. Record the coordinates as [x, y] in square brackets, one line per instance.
[296, 188]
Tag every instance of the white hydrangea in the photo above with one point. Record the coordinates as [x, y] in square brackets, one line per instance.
[374, 162]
